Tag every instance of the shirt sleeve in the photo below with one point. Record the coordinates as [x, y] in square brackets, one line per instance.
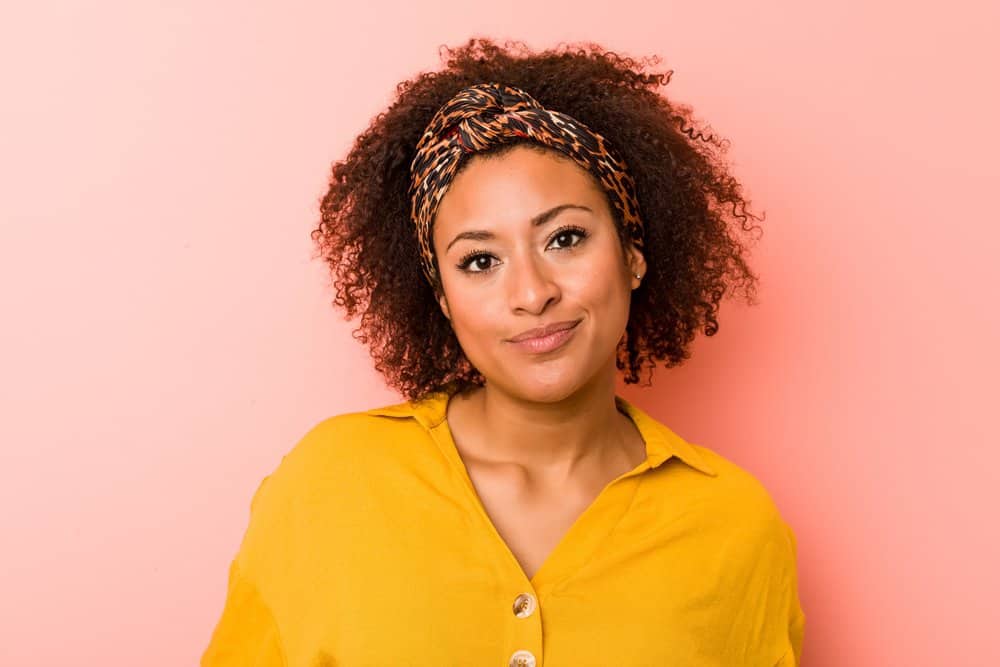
[246, 634]
[796, 617]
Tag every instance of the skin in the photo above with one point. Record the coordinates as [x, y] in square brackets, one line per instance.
[543, 436]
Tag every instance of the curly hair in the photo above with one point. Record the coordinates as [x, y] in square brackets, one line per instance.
[687, 198]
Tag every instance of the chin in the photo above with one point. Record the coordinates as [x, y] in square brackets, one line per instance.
[547, 385]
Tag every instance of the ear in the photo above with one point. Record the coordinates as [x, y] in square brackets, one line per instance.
[636, 264]
[443, 302]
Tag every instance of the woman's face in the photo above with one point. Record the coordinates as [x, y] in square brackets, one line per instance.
[524, 240]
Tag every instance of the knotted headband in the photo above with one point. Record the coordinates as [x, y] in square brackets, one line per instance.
[486, 115]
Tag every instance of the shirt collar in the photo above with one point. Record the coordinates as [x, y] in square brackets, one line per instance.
[661, 442]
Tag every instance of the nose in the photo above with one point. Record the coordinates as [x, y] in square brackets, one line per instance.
[531, 284]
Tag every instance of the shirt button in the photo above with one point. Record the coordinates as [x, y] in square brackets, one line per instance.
[524, 605]
[522, 659]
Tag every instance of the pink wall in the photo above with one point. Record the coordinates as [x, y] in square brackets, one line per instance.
[167, 337]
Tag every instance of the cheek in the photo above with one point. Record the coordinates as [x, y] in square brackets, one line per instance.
[610, 303]
[597, 284]
[471, 314]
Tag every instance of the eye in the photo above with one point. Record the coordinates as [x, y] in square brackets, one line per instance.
[476, 260]
[474, 257]
[568, 233]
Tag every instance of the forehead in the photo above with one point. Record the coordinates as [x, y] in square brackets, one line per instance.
[514, 186]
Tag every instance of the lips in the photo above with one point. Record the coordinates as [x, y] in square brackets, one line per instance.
[541, 332]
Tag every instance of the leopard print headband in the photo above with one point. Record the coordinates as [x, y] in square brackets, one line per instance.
[486, 115]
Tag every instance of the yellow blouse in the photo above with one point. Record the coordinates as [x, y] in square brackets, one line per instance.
[368, 545]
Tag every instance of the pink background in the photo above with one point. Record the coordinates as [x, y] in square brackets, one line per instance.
[167, 336]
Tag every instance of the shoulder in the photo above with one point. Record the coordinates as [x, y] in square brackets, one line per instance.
[761, 551]
[335, 453]
[325, 474]
[747, 547]
[742, 506]
[348, 440]
[735, 481]
[318, 494]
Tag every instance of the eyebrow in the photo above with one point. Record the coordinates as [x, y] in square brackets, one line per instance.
[538, 220]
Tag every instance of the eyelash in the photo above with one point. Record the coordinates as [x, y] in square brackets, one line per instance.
[467, 259]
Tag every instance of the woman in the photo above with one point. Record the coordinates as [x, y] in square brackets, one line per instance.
[513, 230]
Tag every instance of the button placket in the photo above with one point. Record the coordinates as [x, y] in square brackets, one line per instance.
[528, 632]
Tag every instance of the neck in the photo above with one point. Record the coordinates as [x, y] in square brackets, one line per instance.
[547, 439]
